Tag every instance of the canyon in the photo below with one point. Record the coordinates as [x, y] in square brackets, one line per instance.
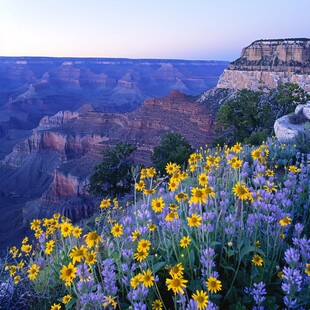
[57, 115]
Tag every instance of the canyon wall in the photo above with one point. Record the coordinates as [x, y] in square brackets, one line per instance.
[269, 63]
[61, 153]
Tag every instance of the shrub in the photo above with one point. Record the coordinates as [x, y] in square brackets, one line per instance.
[173, 148]
[112, 175]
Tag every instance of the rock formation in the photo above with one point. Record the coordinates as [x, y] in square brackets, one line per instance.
[59, 156]
[269, 63]
[288, 127]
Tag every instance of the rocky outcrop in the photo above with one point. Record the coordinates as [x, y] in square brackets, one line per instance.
[287, 128]
[269, 63]
[286, 55]
[71, 136]
[56, 120]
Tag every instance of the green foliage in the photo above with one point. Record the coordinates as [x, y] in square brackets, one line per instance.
[173, 148]
[112, 175]
[241, 116]
[303, 140]
[285, 98]
[250, 116]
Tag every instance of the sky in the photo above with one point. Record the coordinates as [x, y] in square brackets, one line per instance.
[164, 29]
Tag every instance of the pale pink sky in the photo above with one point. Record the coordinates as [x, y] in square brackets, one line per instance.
[183, 29]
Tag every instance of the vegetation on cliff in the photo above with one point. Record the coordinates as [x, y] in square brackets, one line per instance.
[173, 148]
[250, 116]
[112, 175]
[230, 231]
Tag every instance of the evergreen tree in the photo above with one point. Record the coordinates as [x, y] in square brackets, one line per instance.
[173, 148]
[112, 176]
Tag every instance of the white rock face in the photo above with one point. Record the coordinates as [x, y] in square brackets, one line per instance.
[56, 120]
[288, 132]
[254, 80]
[285, 131]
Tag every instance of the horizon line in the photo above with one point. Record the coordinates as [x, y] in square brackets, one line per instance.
[123, 58]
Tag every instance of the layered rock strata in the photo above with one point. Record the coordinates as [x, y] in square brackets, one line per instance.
[70, 144]
[269, 63]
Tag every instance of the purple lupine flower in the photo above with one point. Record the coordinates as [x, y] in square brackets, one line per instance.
[288, 184]
[259, 181]
[211, 215]
[291, 257]
[259, 292]
[125, 280]
[211, 180]
[222, 204]
[294, 278]
[290, 302]
[223, 194]
[286, 287]
[139, 294]
[299, 228]
[181, 299]
[207, 260]
[91, 300]
[304, 247]
[211, 306]
[139, 306]
[247, 290]
[143, 265]
[109, 280]
[144, 215]
[125, 267]
[85, 286]
[259, 168]
[40, 261]
[193, 208]
[192, 305]
[229, 230]
[245, 170]
[83, 273]
[42, 238]
[161, 190]
[214, 274]
[127, 253]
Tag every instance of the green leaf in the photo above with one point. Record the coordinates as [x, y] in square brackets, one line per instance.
[246, 250]
[194, 285]
[71, 303]
[192, 257]
[215, 243]
[116, 256]
[157, 266]
[228, 267]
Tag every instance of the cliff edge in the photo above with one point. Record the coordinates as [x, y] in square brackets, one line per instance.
[269, 63]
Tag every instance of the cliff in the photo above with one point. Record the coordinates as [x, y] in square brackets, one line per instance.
[269, 63]
[59, 156]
